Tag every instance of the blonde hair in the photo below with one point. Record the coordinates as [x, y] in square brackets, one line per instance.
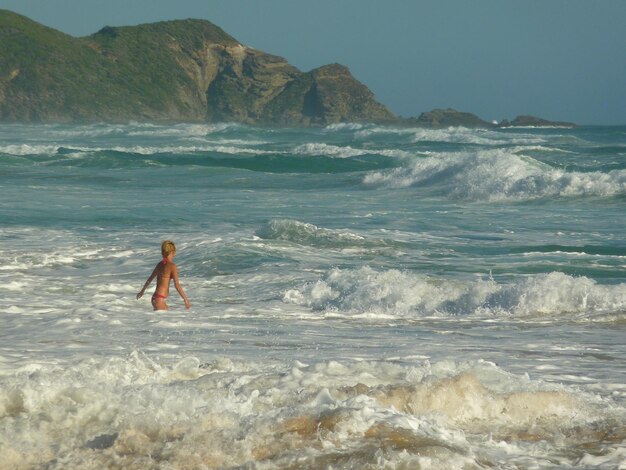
[168, 247]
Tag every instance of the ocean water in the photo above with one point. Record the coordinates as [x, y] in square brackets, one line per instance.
[363, 297]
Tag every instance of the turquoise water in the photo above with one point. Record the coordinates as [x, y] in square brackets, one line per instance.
[362, 297]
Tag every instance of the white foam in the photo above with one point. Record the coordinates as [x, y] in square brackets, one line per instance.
[328, 150]
[78, 152]
[186, 149]
[317, 148]
[457, 135]
[539, 148]
[498, 175]
[43, 258]
[612, 459]
[383, 130]
[343, 126]
[13, 285]
[29, 149]
[399, 293]
[182, 130]
[115, 412]
[133, 129]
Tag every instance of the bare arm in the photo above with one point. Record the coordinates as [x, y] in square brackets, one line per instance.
[148, 282]
[179, 288]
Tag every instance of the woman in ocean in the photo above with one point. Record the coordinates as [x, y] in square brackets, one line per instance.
[165, 271]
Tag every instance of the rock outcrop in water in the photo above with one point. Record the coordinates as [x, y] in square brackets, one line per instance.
[532, 121]
[185, 70]
[443, 118]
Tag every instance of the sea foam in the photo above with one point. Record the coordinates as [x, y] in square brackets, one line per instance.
[456, 135]
[328, 150]
[127, 412]
[402, 294]
[497, 175]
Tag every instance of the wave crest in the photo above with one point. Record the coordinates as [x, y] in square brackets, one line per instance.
[314, 149]
[328, 150]
[398, 293]
[498, 175]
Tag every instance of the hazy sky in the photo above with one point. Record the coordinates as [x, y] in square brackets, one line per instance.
[557, 59]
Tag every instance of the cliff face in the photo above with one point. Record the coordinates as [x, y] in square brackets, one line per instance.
[326, 95]
[187, 70]
[245, 82]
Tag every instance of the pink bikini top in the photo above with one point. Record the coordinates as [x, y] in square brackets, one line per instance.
[164, 262]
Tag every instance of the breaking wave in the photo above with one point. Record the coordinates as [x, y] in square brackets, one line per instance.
[400, 294]
[456, 135]
[317, 148]
[130, 412]
[226, 147]
[497, 175]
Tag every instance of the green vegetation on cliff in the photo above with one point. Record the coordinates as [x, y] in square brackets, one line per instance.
[184, 70]
[40, 69]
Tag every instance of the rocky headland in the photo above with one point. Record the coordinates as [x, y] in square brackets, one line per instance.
[185, 70]
[182, 71]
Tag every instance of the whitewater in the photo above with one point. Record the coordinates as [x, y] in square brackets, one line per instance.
[363, 297]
